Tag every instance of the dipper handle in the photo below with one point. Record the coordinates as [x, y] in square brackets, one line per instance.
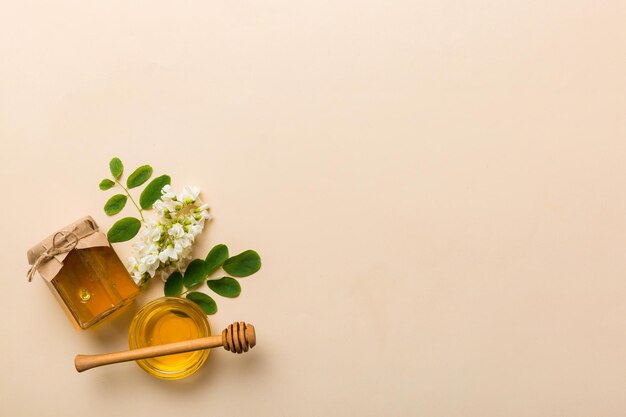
[237, 338]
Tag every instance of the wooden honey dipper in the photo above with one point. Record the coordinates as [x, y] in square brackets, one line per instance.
[237, 338]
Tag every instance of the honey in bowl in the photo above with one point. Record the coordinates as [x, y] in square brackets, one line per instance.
[169, 320]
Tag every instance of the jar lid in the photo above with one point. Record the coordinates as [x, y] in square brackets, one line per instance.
[81, 228]
[81, 234]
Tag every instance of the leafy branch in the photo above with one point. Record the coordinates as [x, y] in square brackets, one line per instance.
[200, 270]
[128, 227]
[181, 218]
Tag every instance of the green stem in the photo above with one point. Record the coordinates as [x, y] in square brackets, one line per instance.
[194, 288]
[131, 199]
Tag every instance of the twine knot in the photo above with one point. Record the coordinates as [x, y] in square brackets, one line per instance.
[62, 245]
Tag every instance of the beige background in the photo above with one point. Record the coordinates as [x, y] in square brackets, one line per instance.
[437, 189]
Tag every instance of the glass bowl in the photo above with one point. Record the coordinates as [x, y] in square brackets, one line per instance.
[168, 320]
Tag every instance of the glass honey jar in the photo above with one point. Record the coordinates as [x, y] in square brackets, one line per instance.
[83, 272]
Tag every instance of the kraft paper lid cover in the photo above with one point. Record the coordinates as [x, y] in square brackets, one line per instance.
[85, 230]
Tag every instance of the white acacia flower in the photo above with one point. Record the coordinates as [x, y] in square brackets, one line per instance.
[189, 194]
[155, 234]
[151, 249]
[167, 193]
[167, 206]
[186, 241]
[195, 229]
[176, 231]
[149, 260]
[165, 242]
[168, 254]
[159, 206]
[132, 263]
[139, 248]
[202, 215]
[137, 277]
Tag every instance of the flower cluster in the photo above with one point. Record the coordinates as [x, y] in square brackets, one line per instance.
[165, 243]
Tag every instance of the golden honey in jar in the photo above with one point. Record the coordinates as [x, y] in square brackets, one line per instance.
[94, 283]
[168, 320]
[84, 273]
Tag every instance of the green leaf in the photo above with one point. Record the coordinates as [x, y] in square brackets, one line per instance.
[152, 192]
[124, 229]
[115, 204]
[244, 264]
[173, 285]
[106, 184]
[206, 303]
[195, 273]
[226, 287]
[139, 176]
[216, 258]
[116, 167]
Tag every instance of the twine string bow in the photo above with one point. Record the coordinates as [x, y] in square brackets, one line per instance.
[60, 244]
